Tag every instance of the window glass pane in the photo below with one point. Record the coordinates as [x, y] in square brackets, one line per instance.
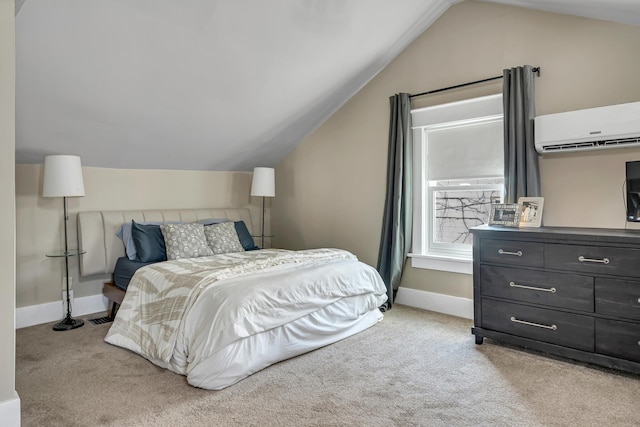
[457, 210]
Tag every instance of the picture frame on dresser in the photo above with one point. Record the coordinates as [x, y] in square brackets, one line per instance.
[506, 214]
[531, 211]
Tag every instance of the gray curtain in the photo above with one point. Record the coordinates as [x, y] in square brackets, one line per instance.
[395, 240]
[521, 172]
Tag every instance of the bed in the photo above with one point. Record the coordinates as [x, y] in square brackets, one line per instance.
[219, 318]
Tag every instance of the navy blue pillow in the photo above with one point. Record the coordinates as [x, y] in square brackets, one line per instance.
[149, 242]
[245, 237]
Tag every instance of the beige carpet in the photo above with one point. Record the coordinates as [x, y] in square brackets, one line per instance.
[414, 368]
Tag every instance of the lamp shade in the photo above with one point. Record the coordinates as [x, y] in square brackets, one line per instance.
[264, 182]
[62, 177]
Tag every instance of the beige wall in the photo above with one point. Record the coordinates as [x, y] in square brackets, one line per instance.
[39, 221]
[7, 206]
[331, 188]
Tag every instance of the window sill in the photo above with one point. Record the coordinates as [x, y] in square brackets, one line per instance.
[442, 263]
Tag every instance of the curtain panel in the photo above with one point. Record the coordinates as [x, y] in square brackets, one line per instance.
[521, 172]
[395, 239]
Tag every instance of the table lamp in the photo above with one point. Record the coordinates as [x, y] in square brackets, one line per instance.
[264, 185]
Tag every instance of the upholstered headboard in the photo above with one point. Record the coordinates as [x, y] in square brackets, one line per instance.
[97, 231]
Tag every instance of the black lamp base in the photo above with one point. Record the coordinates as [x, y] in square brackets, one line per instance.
[68, 324]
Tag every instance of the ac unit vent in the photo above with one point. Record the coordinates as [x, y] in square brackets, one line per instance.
[609, 143]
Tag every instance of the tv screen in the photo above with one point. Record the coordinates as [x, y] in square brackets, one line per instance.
[633, 191]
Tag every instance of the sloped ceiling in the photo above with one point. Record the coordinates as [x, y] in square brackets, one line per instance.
[621, 11]
[208, 84]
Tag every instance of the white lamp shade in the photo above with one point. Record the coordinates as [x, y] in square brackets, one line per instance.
[62, 177]
[264, 182]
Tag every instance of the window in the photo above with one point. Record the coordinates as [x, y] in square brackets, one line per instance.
[458, 158]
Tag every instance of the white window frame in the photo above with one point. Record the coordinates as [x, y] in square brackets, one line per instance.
[429, 117]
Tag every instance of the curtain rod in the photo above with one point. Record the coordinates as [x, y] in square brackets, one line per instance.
[535, 70]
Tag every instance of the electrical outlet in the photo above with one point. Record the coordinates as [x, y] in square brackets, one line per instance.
[64, 283]
[64, 302]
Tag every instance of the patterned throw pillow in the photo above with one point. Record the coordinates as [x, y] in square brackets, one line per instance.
[223, 238]
[185, 241]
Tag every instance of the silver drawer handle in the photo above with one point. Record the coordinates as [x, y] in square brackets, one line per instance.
[601, 261]
[537, 325]
[533, 288]
[501, 252]
[638, 300]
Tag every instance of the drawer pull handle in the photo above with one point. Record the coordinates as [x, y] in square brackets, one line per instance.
[601, 261]
[533, 288]
[537, 325]
[501, 252]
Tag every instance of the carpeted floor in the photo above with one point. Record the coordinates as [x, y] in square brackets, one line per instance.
[415, 368]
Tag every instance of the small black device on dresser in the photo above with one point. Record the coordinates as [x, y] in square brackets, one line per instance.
[571, 292]
[632, 185]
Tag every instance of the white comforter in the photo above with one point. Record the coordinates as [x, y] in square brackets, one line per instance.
[218, 319]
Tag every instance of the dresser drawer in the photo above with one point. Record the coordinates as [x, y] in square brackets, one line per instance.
[619, 298]
[618, 339]
[560, 290]
[512, 253]
[555, 327]
[593, 259]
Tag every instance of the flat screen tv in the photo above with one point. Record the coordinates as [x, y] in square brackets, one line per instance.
[633, 191]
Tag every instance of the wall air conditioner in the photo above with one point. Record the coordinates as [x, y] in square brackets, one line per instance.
[613, 126]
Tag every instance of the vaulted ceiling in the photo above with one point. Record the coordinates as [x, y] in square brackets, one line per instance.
[209, 84]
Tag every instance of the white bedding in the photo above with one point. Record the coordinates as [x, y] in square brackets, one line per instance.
[219, 319]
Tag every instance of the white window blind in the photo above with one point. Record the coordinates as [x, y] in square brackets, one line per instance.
[465, 150]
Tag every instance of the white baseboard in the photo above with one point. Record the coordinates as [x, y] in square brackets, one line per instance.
[10, 412]
[50, 312]
[53, 311]
[440, 303]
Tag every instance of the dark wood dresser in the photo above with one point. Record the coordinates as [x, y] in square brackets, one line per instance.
[571, 292]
